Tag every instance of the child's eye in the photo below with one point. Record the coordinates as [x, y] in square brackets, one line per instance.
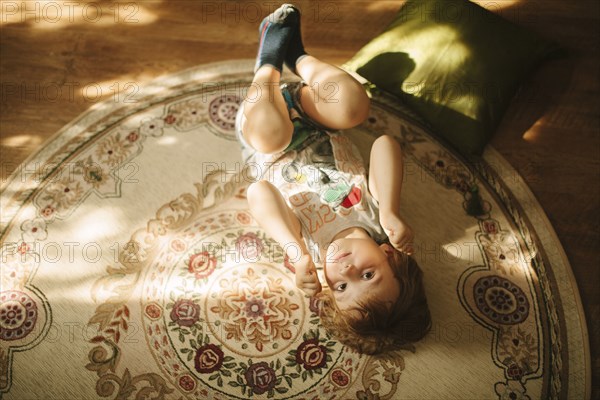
[341, 287]
[368, 275]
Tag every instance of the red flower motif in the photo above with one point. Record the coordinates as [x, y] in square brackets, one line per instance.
[209, 358]
[514, 372]
[153, 311]
[178, 245]
[255, 308]
[133, 136]
[249, 246]
[260, 377]
[311, 354]
[340, 377]
[187, 383]
[48, 211]
[170, 119]
[18, 315]
[243, 218]
[185, 312]
[202, 264]
[23, 248]
[12, 316]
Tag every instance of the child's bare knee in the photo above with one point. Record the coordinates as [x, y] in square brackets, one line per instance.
[354, 109]
[271, 144]
[256, 189]
[358, 108]
[357, 115]
[269, 140]
[253, 189]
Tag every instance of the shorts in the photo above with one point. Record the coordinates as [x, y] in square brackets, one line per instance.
[304, 127]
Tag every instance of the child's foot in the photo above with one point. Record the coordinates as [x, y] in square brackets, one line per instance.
[295, 50]
[276, 31]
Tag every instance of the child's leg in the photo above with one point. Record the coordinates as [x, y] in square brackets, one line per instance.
[267, 127]
[332, 97]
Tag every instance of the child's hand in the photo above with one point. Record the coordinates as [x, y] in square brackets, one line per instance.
[400, 234]
[306, 275]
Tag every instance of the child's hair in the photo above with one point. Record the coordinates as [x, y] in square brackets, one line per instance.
[377, 327]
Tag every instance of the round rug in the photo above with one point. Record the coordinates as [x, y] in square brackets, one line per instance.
[131, 268]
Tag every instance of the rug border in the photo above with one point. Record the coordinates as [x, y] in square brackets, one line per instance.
[548, 238]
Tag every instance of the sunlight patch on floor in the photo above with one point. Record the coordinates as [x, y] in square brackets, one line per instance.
[96, 224]
[21, 140]
[375, 6]
[119, 90]
[122, 90]
[167, 141]
[58, 14]
[533, 134]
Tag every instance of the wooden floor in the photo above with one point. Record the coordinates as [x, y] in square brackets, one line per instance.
[58, 58]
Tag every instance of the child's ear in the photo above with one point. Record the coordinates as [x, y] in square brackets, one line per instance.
[387, 249]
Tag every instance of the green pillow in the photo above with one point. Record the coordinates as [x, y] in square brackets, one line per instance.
[455, 63]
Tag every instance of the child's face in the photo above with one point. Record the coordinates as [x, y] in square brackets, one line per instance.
[356, 267]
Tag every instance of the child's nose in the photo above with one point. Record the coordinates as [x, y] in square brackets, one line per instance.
[346, 268]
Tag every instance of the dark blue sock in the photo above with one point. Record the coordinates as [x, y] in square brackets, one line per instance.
[275, 33]
[295, 49]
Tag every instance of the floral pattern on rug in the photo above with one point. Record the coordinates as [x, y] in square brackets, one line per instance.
[221, 313]
[99, 169]
[200, 303]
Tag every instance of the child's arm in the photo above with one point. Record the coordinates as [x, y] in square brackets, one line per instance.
[269, 208]
[385, 184]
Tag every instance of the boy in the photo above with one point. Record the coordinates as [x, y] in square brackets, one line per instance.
[316, 202]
